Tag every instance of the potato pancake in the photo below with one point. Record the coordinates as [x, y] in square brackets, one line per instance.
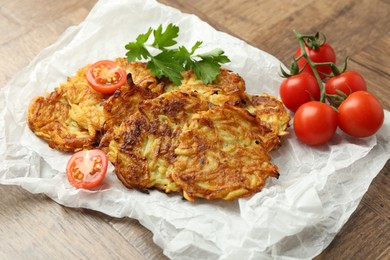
[74, 116]
[143, 147]
[141, 85]
[220, 155]
[181, 142]
[70, 117]
[124, 102]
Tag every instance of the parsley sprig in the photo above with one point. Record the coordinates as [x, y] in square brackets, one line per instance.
[170, 61]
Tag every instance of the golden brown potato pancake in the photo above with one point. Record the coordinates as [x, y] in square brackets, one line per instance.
[74, 116]
[181, 142]
[220, 155]
[142, 150]
[70, 117]
[124, 102]
[141, 85]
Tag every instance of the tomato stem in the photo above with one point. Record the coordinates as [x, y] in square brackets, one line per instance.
[301, 40]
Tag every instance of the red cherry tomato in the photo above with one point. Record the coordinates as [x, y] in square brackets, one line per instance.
[360, 114]
[324, 53]
[347, 82]
[106, 76]
[315, 123]
[87, 169]
[299, 89]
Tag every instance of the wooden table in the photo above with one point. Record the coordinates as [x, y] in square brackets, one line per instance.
[33, 226]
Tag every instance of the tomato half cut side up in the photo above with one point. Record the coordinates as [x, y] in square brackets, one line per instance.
[105, 76]
[87, 169]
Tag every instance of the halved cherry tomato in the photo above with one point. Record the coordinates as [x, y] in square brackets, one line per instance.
[105, 76]
[347, 82]
[324, 53]
[315, 123]
[87, 169]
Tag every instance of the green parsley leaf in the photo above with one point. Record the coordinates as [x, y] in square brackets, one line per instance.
[196, 46]
[137, 49]
[136, 52]
[208, 67]
[170, 61]
[163, 64]
[183, 57]
[143, 38]
[215, 55]
[166, 38]
[207, 70]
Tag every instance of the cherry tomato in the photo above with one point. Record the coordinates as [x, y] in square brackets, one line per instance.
[87, 169]
[324, 53]
[315, 123]
[360, 114]
[106, 76]
[347, 82]
[299, 89]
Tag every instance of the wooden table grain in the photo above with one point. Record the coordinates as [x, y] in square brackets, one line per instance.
[35, 227]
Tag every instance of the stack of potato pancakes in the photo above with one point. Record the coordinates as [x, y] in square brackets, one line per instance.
[204, 141]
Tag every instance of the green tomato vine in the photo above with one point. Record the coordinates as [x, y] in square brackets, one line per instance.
[315, 41]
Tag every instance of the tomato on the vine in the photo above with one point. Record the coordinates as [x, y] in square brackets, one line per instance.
[360, 114]
[299, 89]
[324, 53]
[347, 82]
[87, 169]
[315, 123]
[106, 76]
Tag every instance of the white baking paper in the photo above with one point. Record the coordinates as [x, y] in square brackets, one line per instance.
[294, 217]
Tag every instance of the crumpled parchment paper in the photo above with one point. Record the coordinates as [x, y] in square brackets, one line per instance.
[294, 217]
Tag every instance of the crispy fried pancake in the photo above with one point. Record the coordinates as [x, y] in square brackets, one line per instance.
[143, 148]
[141, 85]
[74, 116]
[70, 117]
[229, 88]
[124, 102]
[221, 155]
[180, 142]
